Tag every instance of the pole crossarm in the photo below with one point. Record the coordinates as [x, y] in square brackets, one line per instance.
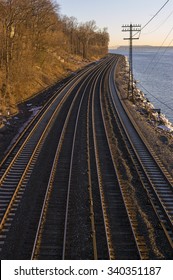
[130, 39]
[132, 28]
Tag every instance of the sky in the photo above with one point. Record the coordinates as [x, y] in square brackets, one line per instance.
[114, 13]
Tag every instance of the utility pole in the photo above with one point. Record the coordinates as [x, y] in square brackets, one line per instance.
[137, 29]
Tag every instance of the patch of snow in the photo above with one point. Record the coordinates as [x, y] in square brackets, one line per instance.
[164, 127]
[35, 111]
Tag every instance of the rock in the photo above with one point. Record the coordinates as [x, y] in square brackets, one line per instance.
[164, 139]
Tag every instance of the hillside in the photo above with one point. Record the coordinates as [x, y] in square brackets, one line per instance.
[40, 46]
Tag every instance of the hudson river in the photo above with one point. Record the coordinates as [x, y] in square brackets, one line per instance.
[153, 69]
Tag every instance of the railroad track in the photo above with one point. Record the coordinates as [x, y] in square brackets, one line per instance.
[23, 155]
[11, 203]
[121, 240]
[156, 180]
[19, 163]
[80, 208]
[100, 190]
[65, 87]
[67, 183]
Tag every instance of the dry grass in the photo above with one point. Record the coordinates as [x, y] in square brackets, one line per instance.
[27, 80]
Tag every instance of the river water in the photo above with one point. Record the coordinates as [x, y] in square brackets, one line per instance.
[153, 69]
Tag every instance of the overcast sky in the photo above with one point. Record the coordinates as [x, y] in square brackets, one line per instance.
[114, 13]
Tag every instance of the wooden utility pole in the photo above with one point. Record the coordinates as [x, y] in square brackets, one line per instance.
[137, 29]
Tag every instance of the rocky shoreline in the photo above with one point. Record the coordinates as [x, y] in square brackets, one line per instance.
[154, 126]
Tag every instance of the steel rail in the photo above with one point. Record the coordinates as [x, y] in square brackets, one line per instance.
[158, 184]
[60, 102]
[28, 168]
[90, 184]
[50, 183]
[105, 216]
[41, 112]
[105, 191]
[140, 247]
[13, 192]
[92, 158]
[70, 176]
[36, 247]
[71, 166]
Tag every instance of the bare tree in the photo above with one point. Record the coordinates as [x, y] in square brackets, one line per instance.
[33, 38]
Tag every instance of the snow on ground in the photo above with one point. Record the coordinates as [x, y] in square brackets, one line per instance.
[35, 111]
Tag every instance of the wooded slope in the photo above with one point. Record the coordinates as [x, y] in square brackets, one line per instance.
[38, 46]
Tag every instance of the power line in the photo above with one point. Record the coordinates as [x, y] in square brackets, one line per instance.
[165, 20]
[165, 50]
[153, 17]
[156, 98]
[158, 52]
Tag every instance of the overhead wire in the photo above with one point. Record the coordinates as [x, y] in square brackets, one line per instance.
[155, 14]
[141, 85]
[139, 32]
[160, 101]
[166, 48]
[157, 28]
[152, 17]
[158, 52]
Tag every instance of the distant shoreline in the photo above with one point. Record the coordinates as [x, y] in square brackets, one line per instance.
[137, 46]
